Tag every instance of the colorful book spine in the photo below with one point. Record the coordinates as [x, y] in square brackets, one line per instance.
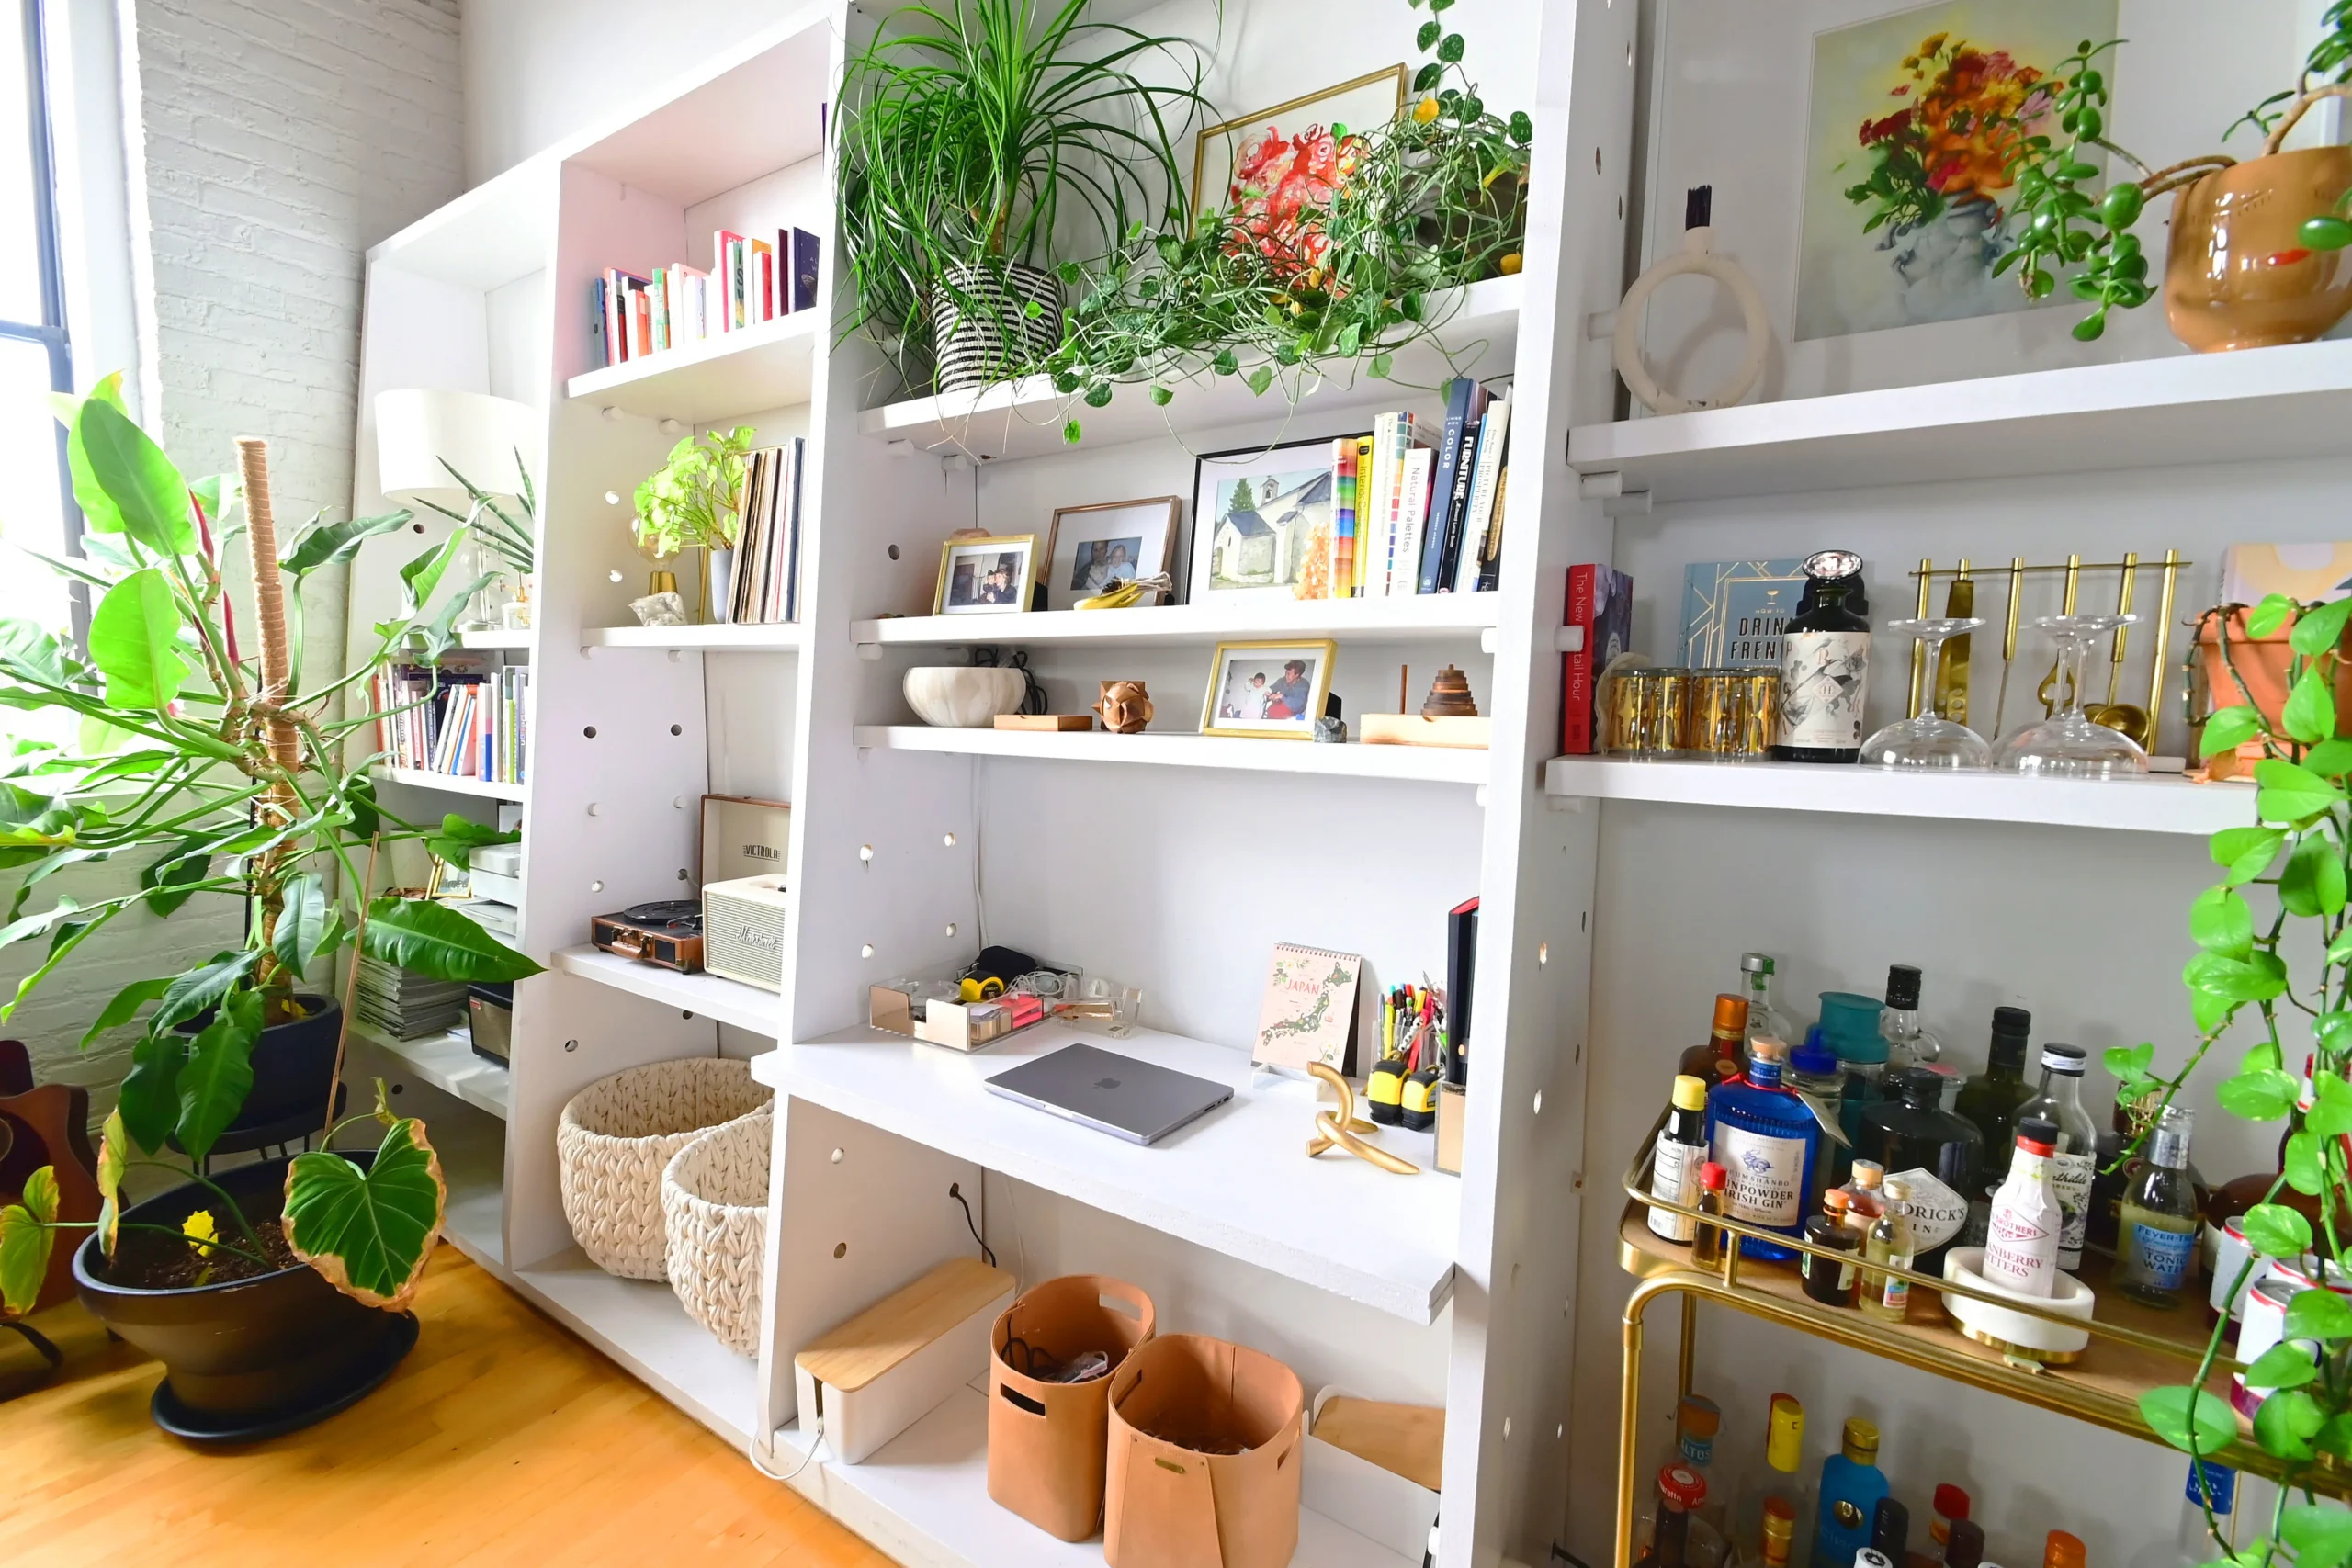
[1343, 516]
[1412, 521]
[1480, 513]
[803, 252]
[657, 297]
[726, 266]
[1430, 561]
[1364, 513]
[760, 282]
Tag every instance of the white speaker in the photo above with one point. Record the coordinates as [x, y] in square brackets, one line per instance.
[743, 929]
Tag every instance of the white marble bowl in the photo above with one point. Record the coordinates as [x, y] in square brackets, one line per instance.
[954, 697]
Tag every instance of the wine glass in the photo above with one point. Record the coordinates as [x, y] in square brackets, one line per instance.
[2067, 745]
[1929, 743]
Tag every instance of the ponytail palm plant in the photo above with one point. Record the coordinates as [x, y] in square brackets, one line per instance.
[225, 775]
[980, 134]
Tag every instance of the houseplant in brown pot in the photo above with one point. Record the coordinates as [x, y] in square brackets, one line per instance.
[2246, 267]
[274, 1293]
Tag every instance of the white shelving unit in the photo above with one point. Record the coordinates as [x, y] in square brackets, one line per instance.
[1435, 764]
[696, 639]
[450, 783]
[764, 366]
[1433, 617]
[705, 995]
[449, 1064]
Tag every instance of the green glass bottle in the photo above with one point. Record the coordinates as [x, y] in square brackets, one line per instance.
[1991, 1101]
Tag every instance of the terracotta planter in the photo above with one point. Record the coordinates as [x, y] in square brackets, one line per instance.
[2263, 664]
[2237, 274]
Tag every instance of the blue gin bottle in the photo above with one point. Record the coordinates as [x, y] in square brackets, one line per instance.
[1768, 1143]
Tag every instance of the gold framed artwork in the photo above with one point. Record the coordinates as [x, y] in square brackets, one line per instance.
[985, 577]
[1091, 548]
[1359, 105]
[1270, 689]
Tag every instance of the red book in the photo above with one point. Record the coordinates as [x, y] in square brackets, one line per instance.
[759, 284]
[1601, 603]
[641, 334]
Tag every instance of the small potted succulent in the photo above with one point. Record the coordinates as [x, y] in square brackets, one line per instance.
[273, 1292]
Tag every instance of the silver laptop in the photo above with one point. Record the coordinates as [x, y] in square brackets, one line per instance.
[1126, 1097]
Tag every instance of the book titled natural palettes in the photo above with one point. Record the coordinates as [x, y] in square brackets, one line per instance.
[1418, 508]
[750, 281]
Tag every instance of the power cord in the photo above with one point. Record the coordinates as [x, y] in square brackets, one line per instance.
[955, 1190]
[816, 1441]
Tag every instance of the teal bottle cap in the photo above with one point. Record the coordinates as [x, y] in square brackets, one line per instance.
[1850, 1026]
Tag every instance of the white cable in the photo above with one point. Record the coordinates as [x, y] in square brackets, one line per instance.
[816, 1440]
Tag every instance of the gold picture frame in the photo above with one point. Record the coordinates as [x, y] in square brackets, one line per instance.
[1227, 136]
[1264, 681]
[968, 592]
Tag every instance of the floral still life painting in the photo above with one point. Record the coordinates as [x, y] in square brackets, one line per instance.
[1915, 119]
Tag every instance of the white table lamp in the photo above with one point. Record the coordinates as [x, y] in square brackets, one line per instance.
[420, 428]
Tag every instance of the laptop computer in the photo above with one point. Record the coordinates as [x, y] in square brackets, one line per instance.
[1122, 1096]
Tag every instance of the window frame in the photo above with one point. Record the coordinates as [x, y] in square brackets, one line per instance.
[51, 332]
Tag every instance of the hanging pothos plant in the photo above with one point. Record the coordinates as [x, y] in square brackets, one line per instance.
[1329, 249]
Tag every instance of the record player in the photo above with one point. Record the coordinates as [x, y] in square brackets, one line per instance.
[667, 933]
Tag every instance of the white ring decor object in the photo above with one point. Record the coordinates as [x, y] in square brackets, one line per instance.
[1698, 258]
[715, 1216]
[619, 1134]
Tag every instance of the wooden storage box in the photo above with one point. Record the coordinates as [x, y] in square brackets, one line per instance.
[954, 1025]
[1169, 1501]
[1047, 1439]
[1412, 729]
[891, 1365]
[1377, 1466]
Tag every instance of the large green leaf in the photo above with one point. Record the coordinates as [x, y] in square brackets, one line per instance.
[330, 542]
[2322, 1537]
[2282, 1366]
[2169, 1411]
[2310, 713]
[24, 1242]
[148, 492]
[2219, 922]
[220, 1073]
[301, 923]
[2312, 882]
[114, 1158]
[98, 512]
[169, 881]
[200, 990]
[436, 942]
[369, 1232]
[135, 641]
[458, 837]
[150, 1099]
[420, 577]
[125, 1007]
[2287, 1423]
[2228, 728]
[2318, 630]
[30, 652]
[2262, 1096]
[2327, 1316]
[2269, 615]
[2285, 793]
[2259, 978]
[2277, 1231]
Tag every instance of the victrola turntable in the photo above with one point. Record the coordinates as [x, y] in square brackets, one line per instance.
[744, 919]
[668, 934]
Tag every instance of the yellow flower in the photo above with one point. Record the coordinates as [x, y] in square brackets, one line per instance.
[1510, 264]
[200, 1230]
[1911, 62]
[1932, 42]
[1426, 111]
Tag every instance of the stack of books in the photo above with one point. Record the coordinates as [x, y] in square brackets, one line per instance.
[406, 1006]
[1420, 509]
[462, 717]
[750, 281]
[767, 538]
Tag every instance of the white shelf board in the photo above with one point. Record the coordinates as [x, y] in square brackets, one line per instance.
[1237, 1181]
[501, 229]
[770, 365]
[504, 641]
[449, 783]
[1417, 618]
[447, 1062]
[2255, 404]
[639, 1325]
[705, 995]
[2153, 804]
[1435, 764]
[473, 1218]
[1024, 418]
[924, 1498]
[783, 637]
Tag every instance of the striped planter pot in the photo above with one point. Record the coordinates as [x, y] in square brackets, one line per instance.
[978, 347]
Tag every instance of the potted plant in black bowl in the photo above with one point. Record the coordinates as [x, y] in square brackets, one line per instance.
[274, 1293]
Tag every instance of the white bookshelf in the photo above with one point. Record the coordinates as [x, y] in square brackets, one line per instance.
[763, 367]
[448, 1062]
[1433, 765]
[781, 638]
[1433, 618]
[705, 995]
[450, 783]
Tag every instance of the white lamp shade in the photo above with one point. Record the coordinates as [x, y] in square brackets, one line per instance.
[419, 428]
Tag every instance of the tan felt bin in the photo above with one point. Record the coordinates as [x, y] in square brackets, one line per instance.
[1046, 1440]
[1170, 1502]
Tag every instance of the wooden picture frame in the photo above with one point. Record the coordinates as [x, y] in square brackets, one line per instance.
[1265, 682]
[1226, 139]
[1149, 546]
[968, 592]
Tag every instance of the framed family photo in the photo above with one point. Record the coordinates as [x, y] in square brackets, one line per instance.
[1267, 689]
[1093, 547]
[1257, 515]
[978, 577]
[1359, 105]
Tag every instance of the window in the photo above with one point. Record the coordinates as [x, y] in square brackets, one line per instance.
[36, 509]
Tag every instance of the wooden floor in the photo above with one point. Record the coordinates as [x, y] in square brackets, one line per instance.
[501, 1440]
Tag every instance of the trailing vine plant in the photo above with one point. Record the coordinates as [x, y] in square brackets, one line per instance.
[2299, 853]
[2069, 228]
[1330, 247]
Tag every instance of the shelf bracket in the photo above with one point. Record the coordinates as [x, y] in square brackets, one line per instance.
[1565, 802]
[1569, 640]
[869, 652]
[1600, 326]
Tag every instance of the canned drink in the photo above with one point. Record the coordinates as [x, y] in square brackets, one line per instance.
[1760, 711]
[1715, 699]
[1668, 714]
[1620, 729]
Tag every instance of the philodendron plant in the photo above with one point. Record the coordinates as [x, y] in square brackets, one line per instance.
[2281, 960]
[225, 775]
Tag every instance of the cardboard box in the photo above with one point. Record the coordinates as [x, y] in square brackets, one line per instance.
[1452, 1114]
[1047, 1439]
[1171, 1504]
[1377, 1466]
[873, 1377]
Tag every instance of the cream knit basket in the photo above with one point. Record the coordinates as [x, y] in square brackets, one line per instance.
[715, 1209]
[619, 1133]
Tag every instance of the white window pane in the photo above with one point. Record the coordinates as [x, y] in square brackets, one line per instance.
[19, 253]
[31, 516]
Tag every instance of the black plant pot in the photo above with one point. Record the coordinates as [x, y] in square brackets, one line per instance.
[292, 1064]
[251, 1359]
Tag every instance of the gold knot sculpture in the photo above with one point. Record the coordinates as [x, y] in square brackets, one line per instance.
[1339, 1132]
[1126, 707]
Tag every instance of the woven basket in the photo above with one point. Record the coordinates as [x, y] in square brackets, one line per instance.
[617, 1134]
[714, 1213]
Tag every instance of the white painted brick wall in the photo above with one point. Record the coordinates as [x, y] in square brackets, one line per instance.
[282, 138]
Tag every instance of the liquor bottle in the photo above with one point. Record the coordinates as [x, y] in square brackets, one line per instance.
[1682, 1150]
[1908, 1044]
[1777, 1545]
[2064, 1550]
[1707, 1246]
[1966, 1548]
[1756, 971]
[1720, 1059]
[1830, 1277]
[2159, 1216]
[1825, 668]
[1779, 1480]
[1766, 1140]
[2194, 1543]
[1888, 1296]
[2060, 1102]
[2021, 1249]
[1849, 1027]
[1680, 1492]
[1940, 1155]
[1697, 1420]
[1851, 1485]
[1890, 1529]
[1990, 1102]
[1950, 1508]
[1820, 1082]
[1865, 1192]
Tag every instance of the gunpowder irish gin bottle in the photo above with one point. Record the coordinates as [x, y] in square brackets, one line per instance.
[1768, 1143]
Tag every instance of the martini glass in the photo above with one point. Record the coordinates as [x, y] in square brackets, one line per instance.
[2067, 745]
[1928, 743]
